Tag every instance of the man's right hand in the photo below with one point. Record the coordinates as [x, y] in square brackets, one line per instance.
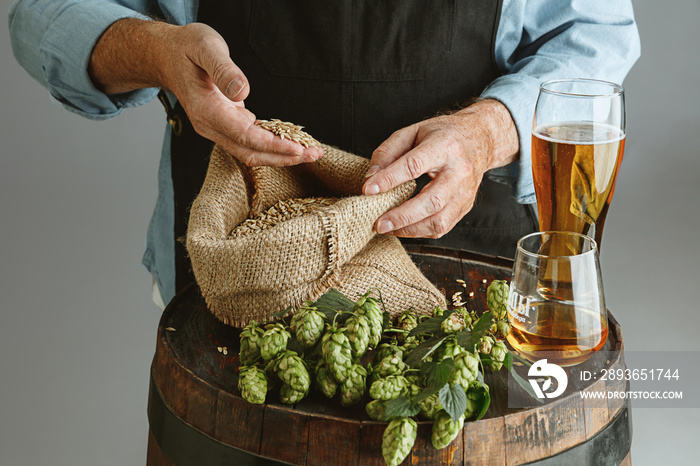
[193, 62]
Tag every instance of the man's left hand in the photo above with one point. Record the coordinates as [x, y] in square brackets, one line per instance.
[455, 150]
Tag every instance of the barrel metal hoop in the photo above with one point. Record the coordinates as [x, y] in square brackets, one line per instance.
[185, 445]
[609, 447]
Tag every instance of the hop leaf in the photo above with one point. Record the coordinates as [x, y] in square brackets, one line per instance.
[398, 440]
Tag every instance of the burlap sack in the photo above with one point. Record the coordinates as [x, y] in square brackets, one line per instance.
[251, 276]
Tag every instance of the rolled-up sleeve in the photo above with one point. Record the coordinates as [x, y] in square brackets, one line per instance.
[53, 41]
[548, 39]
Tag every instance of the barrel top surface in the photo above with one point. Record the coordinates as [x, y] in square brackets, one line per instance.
[209, 349]
[193, 345]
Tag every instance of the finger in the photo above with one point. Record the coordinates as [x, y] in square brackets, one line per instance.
[424, 158]
[434, 226]
[394, 147]
[228, 119]
[431, 200]
[255, 158]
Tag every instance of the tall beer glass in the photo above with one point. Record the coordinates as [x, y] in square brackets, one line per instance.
[578, 139]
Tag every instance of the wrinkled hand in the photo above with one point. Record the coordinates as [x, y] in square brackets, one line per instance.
[455, 150]
[193, 62]
[211, 89]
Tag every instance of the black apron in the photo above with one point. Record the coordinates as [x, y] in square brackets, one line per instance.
[352, 73]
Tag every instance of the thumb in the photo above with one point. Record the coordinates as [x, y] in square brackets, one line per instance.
[228, 77]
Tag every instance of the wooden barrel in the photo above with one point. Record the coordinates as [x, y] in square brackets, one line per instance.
[197, 417]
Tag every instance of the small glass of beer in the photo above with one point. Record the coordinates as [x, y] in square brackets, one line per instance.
[556, 303]
[578, 139]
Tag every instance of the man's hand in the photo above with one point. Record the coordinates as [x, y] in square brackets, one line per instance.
[455, 150]
[193, 62]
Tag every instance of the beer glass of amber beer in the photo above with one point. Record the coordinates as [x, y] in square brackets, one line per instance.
[578, 139]
[556, 302]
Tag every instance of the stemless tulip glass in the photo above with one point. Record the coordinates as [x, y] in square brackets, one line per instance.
[556, 302]
[578, 139]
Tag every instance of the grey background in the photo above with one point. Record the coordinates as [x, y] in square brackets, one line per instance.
[78, 325]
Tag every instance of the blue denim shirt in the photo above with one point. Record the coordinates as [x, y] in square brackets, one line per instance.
[537, 40]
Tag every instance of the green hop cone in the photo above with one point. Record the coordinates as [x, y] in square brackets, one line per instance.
[252, 382]
[449, 349]
[352, 390]
[289, 396]
[454, 323]
[498, 355]
[497, 298]
[438, 311]
[407, 321]
[325, 381]
[358, 330]
[370, 308]
[398, 439]
[376, 409]
[412, 390]
[502, 329]
[415, 379]
[337, 354]
[485, 344]
[390, 365]
[468, 320]
[274, 341]
[292, 371]
[388, 388]
[445, 430]
[466, 369]
[410, 344]
[430, 406]
[251, 338]
[310, 327]
[296, 318]
[475, 399]
[386, 349]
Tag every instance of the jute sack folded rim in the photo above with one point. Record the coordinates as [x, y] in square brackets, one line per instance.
[252, 276]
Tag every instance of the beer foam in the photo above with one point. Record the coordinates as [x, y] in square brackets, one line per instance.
[577, 132]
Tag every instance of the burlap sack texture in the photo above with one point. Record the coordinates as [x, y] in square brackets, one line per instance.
[250, 277]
